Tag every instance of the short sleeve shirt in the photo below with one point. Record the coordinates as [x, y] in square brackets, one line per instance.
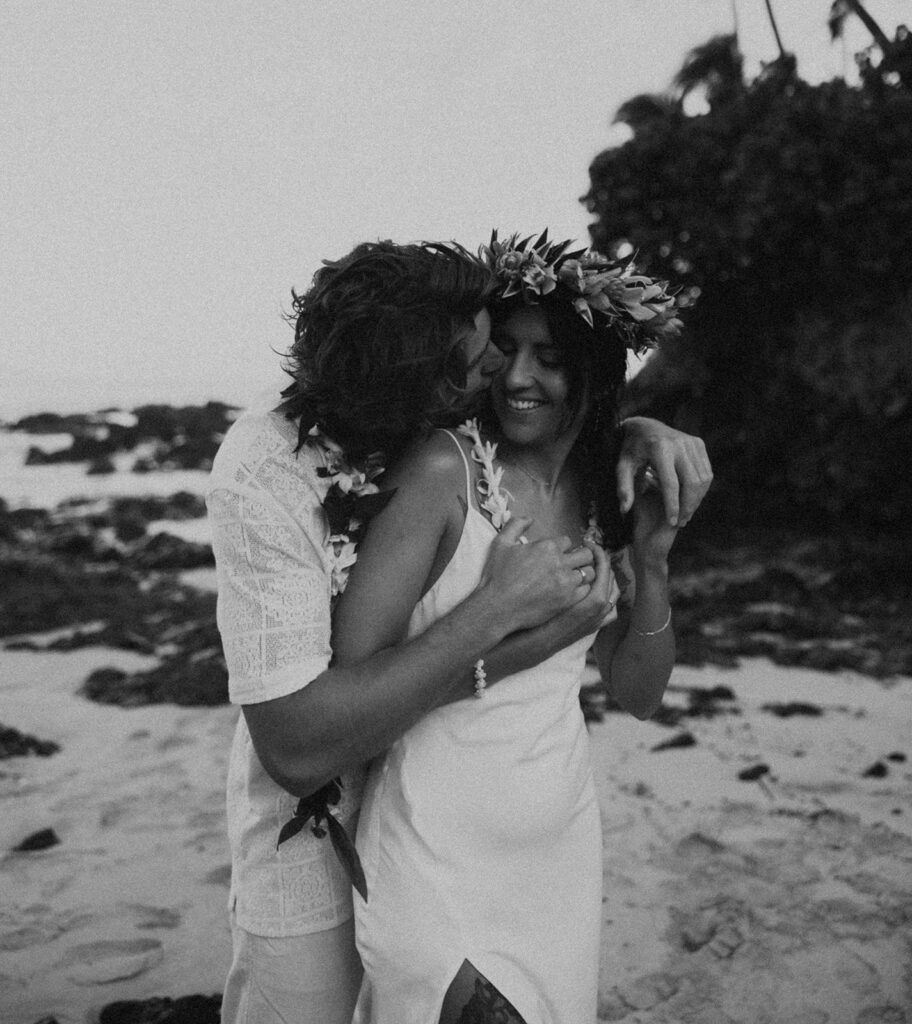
[268, 535]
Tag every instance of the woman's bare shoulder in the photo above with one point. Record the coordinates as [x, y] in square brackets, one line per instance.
[434, 461]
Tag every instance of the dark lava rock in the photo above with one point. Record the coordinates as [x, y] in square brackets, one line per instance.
[199, 679]
[41, 840]
[793, 708]
[195, 1009]
[42, 592]
[185, 437]
[179, 505]
[668, 716]
[683, 739]
[165, 551]
[827, 602]
[704, 702]
[754, 773]
[878, 770]
[15, 521]
[19, 744]
[129, 528]
[101, 466]
[102, 681]
[897, 756]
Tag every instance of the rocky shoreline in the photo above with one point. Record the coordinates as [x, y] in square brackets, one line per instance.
[94, 573]
[105, 582]
[163, 437]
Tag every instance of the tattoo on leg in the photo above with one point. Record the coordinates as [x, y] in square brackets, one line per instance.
[488, 1006]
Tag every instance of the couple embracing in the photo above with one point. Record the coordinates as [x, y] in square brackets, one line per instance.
[452, 426]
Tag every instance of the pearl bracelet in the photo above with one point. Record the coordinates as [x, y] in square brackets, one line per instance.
[653, 632]
[481, 678]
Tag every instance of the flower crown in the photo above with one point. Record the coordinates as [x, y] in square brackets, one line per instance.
[635, 306]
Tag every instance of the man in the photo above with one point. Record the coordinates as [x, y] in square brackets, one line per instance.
[389, 341]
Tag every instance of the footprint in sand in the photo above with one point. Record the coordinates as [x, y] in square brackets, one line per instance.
[650, 990]
[37, 925]
[718, 926]
[647, 992]
[147, 917]
[95, 963]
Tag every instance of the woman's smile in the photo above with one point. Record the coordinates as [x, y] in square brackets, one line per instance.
[523, 404]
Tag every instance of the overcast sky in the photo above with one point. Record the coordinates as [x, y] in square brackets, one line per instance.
[172, 169]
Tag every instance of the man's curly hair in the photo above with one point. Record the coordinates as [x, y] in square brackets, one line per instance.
[376, 358]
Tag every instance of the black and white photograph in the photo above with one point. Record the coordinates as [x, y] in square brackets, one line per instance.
[455, 512]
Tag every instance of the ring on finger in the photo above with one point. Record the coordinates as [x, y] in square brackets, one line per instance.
[582, 573]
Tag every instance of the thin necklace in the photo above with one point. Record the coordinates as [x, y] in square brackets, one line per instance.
[525, 472]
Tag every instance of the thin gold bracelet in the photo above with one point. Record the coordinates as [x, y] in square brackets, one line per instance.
[653, 632]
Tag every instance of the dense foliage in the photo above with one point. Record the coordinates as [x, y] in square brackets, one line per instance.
[787, 209]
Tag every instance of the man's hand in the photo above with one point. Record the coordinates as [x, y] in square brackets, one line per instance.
[589, 614]
[679, 462]
[539, 580]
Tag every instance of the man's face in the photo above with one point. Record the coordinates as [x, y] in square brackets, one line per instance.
[482, 358]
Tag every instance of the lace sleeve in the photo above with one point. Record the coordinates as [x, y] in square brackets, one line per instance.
[274, 593]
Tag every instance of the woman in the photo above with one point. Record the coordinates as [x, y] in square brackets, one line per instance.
[480, 835]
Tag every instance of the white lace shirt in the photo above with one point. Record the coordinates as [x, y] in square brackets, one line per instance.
[268, 533]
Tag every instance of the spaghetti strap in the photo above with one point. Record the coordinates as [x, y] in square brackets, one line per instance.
[465, 462]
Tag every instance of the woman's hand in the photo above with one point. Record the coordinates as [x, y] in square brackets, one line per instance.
[653, 535]
[593, 607]
[588, 615]
[537, 580]
[678, 460]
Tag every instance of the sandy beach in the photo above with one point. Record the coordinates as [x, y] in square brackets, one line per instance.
[132, 902]
[783, 897]
[757, 832]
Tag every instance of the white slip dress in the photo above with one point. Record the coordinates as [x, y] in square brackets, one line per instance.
[480, 838]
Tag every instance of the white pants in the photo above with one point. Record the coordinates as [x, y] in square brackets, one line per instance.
[301, 979]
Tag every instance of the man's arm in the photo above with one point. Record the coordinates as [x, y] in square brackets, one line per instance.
[350, 713]
[378, 686]
[679, 462]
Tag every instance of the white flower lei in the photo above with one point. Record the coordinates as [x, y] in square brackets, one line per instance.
[496, 500]
[345, 478]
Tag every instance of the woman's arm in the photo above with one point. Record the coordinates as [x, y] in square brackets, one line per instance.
[636, 652]
[397, 559]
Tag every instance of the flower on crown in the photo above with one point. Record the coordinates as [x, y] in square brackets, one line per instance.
[641, 309]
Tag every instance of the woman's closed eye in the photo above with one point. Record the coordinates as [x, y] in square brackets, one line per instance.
[547, 356]
[551, 359]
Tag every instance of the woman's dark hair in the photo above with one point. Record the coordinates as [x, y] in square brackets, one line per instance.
[375, 359]
[595, 361]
